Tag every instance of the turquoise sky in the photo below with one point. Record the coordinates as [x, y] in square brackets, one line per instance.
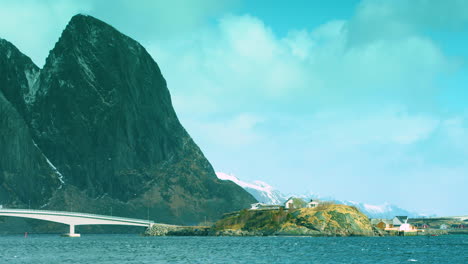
[360, 100]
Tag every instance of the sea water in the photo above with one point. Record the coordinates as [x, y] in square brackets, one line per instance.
[137, 249]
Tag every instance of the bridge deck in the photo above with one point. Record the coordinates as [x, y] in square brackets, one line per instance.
[30, 212]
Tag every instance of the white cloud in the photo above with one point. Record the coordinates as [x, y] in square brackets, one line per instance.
[385, 127]
[34, 26]
[456, 131]
[149, 20]
[238, 132]
[241, 65]
[238, 65]
[380, 19]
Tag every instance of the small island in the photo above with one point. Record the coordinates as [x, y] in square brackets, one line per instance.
[327, 219]
[324, 219]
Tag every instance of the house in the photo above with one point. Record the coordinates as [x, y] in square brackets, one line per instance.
[421, 225]
[294, 203]
[382, 223]
[261, 206]
[406, 227]
[399, 220]
[312, 203]
[289, 203]
[424, 226]
[443, 226]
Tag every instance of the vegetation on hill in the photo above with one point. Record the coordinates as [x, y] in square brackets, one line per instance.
[325, 220]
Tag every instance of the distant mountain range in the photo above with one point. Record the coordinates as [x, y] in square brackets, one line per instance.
[267, 194]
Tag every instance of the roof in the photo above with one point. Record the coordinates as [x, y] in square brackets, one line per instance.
[402, 219]
[375, 221]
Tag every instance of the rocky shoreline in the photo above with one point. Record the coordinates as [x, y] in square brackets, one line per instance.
[209, 231]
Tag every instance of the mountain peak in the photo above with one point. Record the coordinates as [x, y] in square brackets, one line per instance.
[84, 28]
[80, 19]
[88, 42]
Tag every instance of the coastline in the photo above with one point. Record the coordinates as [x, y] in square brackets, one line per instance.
[328, 220]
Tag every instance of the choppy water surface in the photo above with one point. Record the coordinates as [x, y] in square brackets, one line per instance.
[135, 249]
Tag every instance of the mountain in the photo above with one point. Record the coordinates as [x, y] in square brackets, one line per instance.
[98, 125]
[385, 211]
[263, 192]
[267, 194]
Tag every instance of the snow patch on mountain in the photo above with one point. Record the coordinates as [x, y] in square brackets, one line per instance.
[31, 76]
[57, 172]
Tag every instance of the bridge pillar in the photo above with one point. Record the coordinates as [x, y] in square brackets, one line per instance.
[72, 232]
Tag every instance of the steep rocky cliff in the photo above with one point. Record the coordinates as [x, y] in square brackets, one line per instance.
[102, 118]
[26, 177]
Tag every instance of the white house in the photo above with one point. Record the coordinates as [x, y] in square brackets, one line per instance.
[312, 203]
[289, 203]
[405, 227]
[294, 203]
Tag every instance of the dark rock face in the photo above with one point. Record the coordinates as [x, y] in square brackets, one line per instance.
[25, 175]
[101, 112]
[17, 76]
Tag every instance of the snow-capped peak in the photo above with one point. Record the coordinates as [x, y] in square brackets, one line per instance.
[257, 185]
[262, 191]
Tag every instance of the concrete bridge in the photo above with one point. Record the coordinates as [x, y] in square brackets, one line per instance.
[73, 218]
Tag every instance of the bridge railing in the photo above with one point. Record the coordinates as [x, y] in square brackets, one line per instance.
[107, 217]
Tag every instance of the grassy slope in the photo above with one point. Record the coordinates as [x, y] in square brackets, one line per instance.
[325, 220]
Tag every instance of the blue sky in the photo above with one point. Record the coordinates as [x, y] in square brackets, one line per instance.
[360, 100]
